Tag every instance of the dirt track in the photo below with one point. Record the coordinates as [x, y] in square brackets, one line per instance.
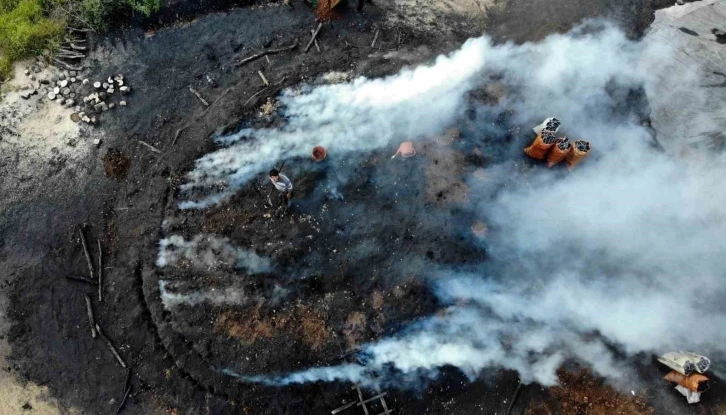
[39, 245]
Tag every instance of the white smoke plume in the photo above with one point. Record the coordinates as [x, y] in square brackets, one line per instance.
[360, 116]
[209, 252]
[618, 258]
[223, 296]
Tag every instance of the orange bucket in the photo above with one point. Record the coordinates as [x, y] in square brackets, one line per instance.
[319, 153]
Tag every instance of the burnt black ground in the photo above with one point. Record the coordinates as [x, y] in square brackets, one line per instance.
[39, 244]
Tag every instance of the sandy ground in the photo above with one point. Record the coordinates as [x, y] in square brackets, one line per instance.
[34, 136]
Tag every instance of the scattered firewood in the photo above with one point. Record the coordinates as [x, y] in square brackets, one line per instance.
[91, 319]
[315, 41]
[85, 251]
[123, 401]
[66, 65]
[267, 52]
[195, 92]
[100, 272]
[70, 53]
[375, 39]
[257, 93]
[264, 80]
[315, 35]
[179, 131]
[82, 279]
[150, 147]
[514, 398]
[110, 346]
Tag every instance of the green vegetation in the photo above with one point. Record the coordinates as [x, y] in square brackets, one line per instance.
[24, 30]
[29, 26]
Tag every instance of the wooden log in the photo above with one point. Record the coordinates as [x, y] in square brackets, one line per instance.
[315, 35]
[91, 319]
[264, 80]
[375, 39]
[514, 398]
[100, 271]
[81, 279]
[150, 147]
[66, 65]
[267, 52]
[198, 95]
[123, 401]
[88, 255]
[257, 93]
[110, 346]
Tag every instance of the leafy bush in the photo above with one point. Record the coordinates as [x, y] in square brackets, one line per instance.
[99, 13]
[147, 7]
[24, 31]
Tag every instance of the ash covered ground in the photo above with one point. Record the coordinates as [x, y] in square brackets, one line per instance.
[349, 262]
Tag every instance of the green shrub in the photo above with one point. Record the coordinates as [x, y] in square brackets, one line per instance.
[24, 31]
[147, 7]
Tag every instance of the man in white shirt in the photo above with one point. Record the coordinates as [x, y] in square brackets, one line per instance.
[282, 183]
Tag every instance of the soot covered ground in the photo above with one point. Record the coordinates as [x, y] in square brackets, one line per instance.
[124, 202]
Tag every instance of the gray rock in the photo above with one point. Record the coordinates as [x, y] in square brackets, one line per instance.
[66, 91]
[122, 103]
[105, 85]
[73, 73]
[61, 76]
[96, 84]
[85, 81]
[70, 102]
[64, 83]
[111, 105]
[110, 91]
[97, 142]
[72, 94]
[56, 90]
[51, 95]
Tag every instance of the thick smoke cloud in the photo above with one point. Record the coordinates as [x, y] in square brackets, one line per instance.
[360, 116]
[221, 296]
[618, 259]
[208, 252]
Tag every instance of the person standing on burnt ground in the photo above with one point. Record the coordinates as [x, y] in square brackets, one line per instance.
[282, 184]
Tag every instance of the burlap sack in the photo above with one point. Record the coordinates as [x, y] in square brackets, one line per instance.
[574, 157]
[694, 382]
[538, 150]
[556, 155]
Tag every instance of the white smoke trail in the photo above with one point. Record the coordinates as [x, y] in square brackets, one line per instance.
[224, 296]
[209, 252]
[620, 257]
[363, 115]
